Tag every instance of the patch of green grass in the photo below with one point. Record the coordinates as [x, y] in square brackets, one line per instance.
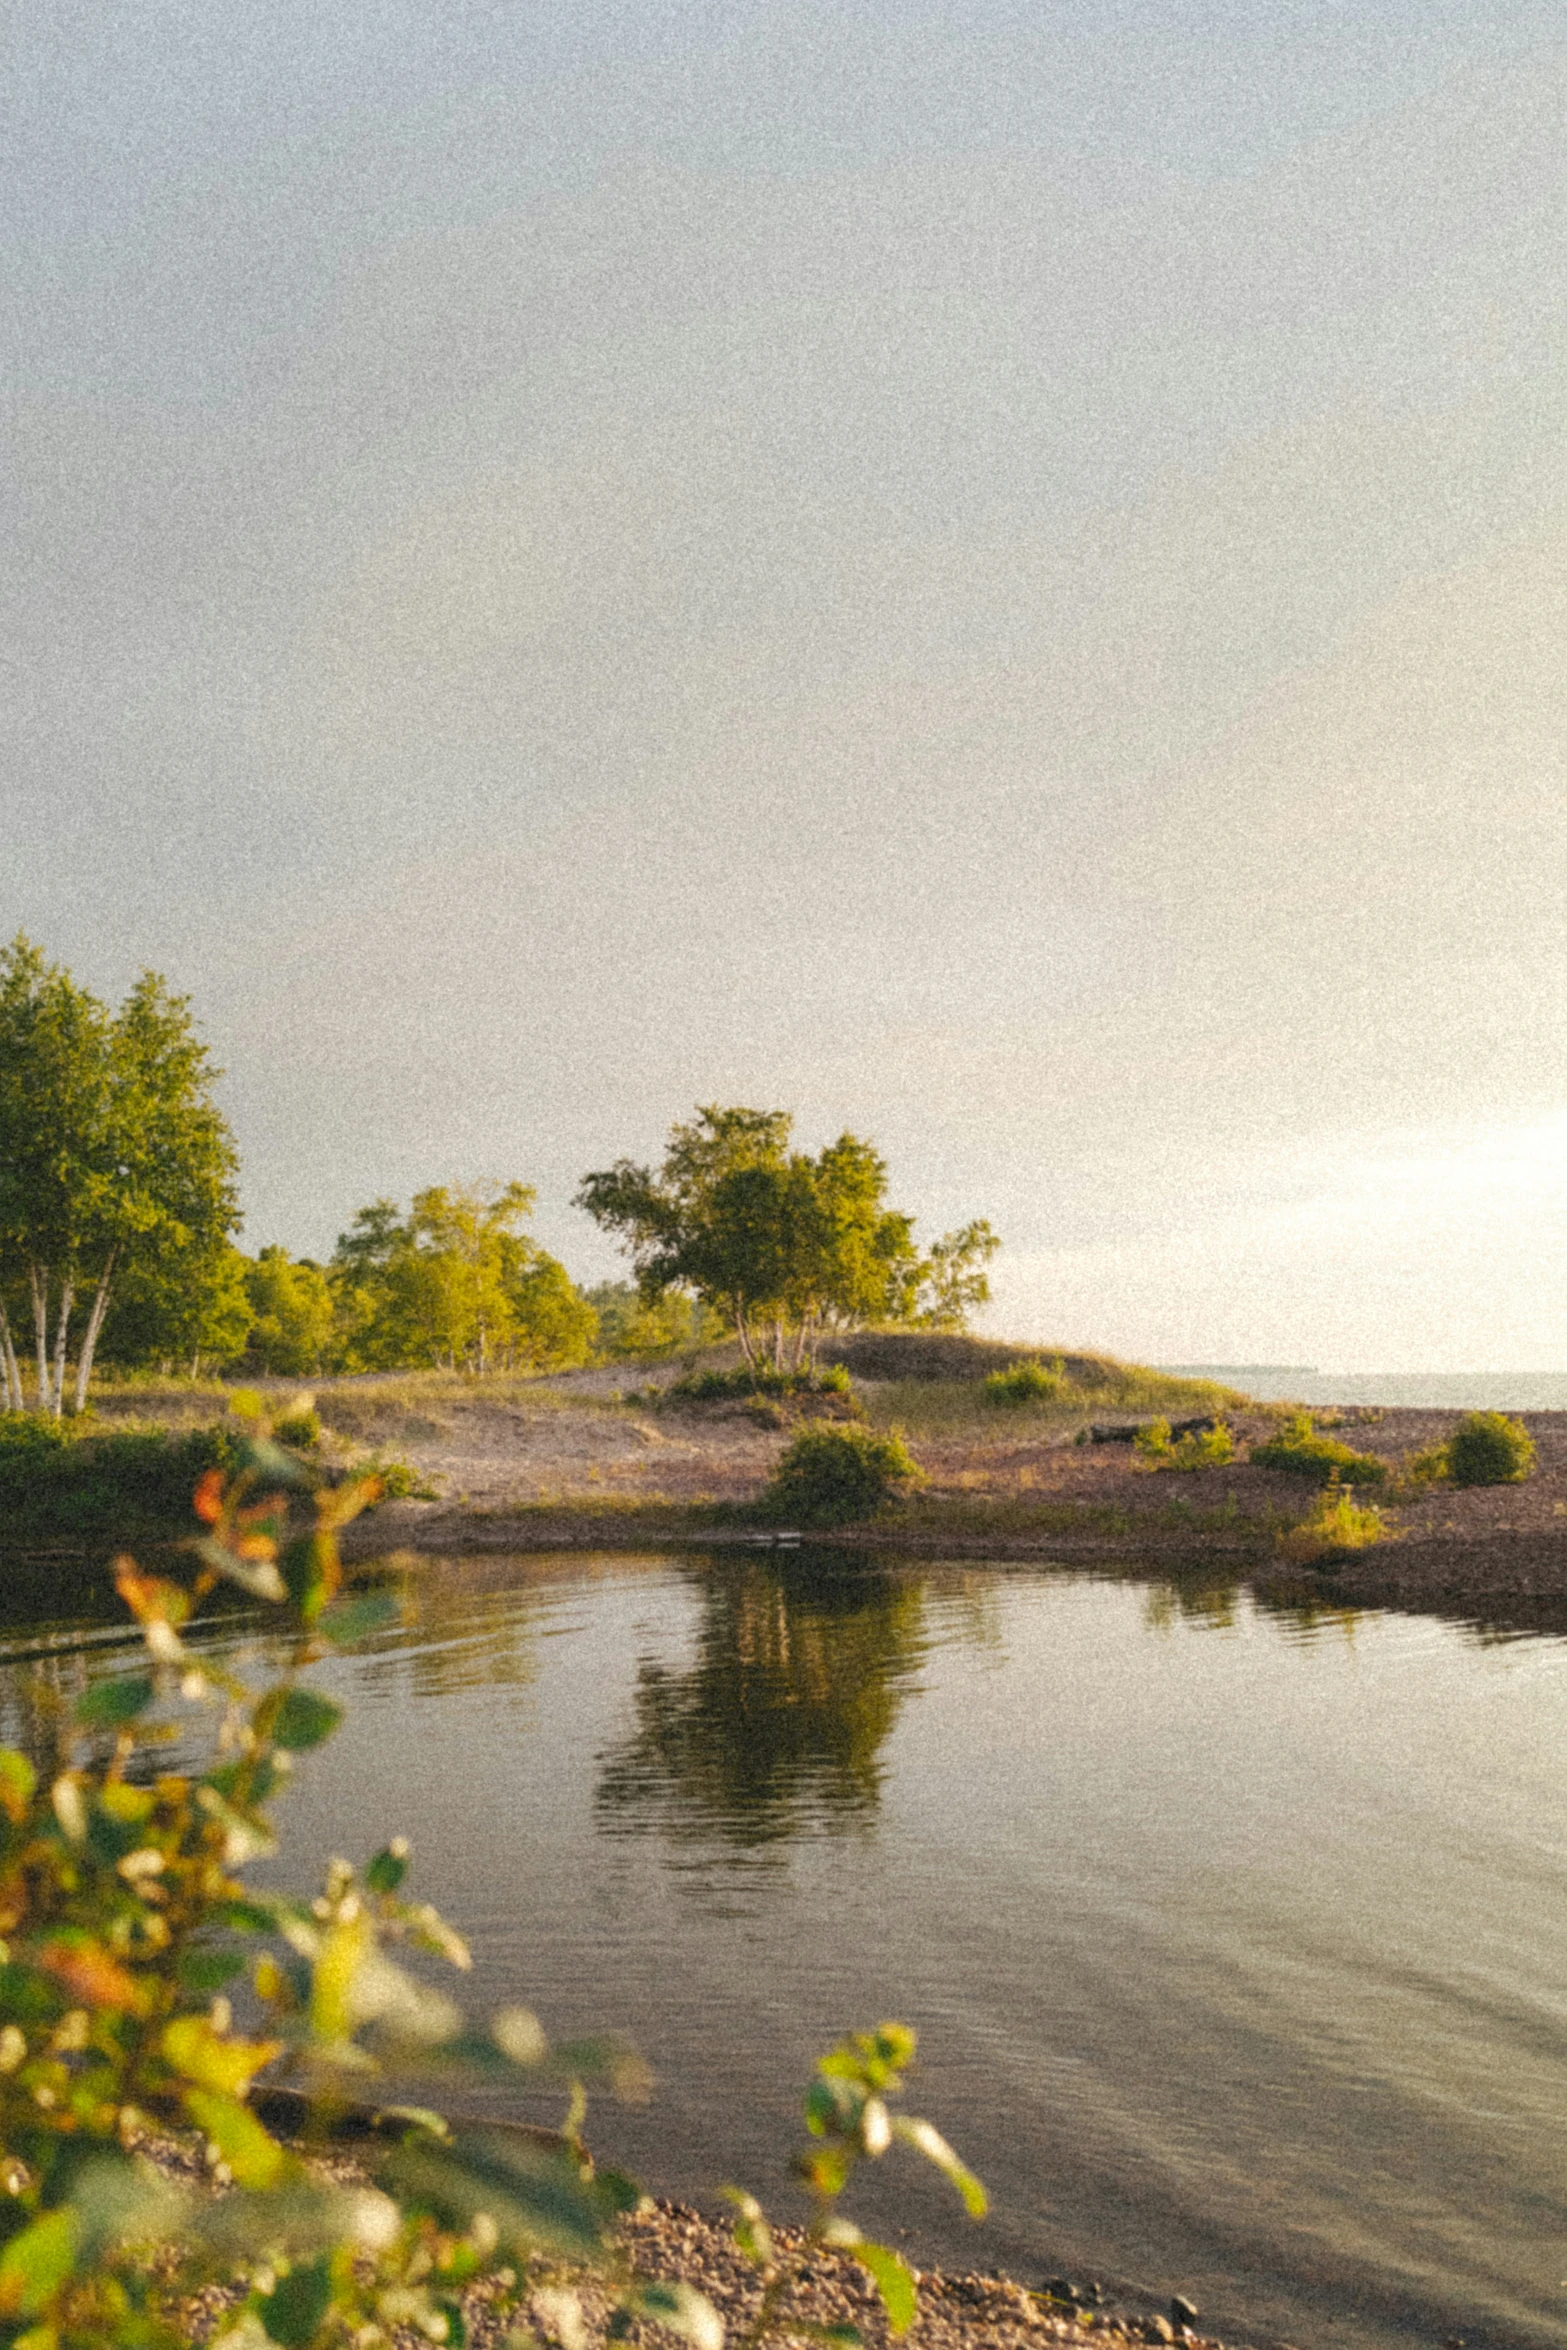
[74, 1481]
[1300, 1452]
[1338, 1524]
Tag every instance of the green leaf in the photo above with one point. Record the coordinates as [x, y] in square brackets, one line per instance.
[456, 2324]
[209, 1970]
[275, 1467]
[35, 2264]
[832, 2104]
[825, 2169]
[109, 1704]
[752, 2234]
[293, 2310]
[535, 2192]
[18, 1782]
[304, 1718]
[893, 2282]
[255, 2157]
[348, 1620]
[387, 1870]
[680, 2309]
[930, 2142]
[309, 1570]
[247, 1917]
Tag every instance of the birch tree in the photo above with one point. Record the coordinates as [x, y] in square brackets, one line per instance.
[112, 1153]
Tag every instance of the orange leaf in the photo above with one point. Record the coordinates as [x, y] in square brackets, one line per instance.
[150, 1598]
[88, 1972]
[208, 1501]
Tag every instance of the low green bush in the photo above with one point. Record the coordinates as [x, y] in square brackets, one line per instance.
[398, 1480]
[299, 1428]
[76, 1481]
[69, 1479]
[127, 1921]
[832, 1473]
[1301, 1452]
[719, 1386]
[1488, 1448]
[1337, 1524]
[1432, 1465]
[1030, 1381]
[1194, 1448]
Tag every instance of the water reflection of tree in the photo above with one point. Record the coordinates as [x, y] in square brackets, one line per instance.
[800, 1672]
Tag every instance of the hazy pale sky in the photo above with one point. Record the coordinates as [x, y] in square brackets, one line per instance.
[995, 573]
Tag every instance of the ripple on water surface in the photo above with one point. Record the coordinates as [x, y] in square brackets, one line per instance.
[1235, 1937]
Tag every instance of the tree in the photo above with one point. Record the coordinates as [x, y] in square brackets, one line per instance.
[113, 1155]
[186, 1309]
[291, 1308]
[631, 1328]
[777, 1241]
[953, 1282]
[457, 1283]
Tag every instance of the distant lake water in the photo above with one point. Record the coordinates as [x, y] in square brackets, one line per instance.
[1236, 1940]
[1459, 1391]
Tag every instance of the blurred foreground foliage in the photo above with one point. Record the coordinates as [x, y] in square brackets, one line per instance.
[125, 1922]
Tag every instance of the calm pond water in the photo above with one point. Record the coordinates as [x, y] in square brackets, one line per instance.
[1237, 1941]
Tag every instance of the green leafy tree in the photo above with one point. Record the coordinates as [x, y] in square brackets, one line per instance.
[631, 1327]
[292, 1315]
[112, 1154]
[191, 1309]
[778, 1242]
[457, 1283]
[953, 1281]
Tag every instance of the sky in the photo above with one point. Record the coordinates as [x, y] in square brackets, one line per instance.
[993, 573]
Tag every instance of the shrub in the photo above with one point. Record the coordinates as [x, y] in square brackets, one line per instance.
[721, 1386]
[831, 1474]
[126, 1914]
[1301, 1452]
[299, 1428]
[1337, 1523]
[69, 1478]
[398, 1480]
[1433, 1466]
[1029, 1381]
[1488, 1448]
[1194, 1448]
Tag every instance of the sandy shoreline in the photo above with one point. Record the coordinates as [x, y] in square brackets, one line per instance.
[566, 1478]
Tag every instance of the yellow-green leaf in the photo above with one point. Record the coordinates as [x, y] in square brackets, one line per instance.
[892, 2281]
[18, 1780]
[203, 2057]
[252, 2154]
[35, 2264]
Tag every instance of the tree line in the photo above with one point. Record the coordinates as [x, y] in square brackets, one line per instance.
[119, 1210]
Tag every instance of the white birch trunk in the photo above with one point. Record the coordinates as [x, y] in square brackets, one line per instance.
[39, 1279]
[12, 1369]
[62, 1332]
[100, 1306]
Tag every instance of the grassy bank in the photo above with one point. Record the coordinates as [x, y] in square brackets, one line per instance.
[618, 1448]
[74, 1482]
